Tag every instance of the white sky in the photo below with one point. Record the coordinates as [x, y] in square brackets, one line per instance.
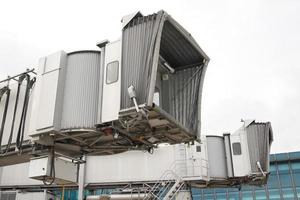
[254, 47]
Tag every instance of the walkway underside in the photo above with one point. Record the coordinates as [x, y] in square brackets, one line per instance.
[133, 131]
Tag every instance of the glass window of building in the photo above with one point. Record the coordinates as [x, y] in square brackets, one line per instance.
[234, 196]
[273, 181]
[298, 192]
[221, 196]
[260, 194]
[285, 180]
[295, 166]
[288, 194]
[274, 194]
[247, 195]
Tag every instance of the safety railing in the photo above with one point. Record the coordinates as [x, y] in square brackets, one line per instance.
[194, 167]
[179, 170]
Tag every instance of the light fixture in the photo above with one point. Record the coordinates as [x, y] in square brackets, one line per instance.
[132, 95]
[170, 69]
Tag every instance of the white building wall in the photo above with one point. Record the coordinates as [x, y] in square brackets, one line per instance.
[124, 167]
[16, 175]
[129, 166]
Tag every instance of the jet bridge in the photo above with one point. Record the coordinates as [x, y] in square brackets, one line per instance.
[132, 94]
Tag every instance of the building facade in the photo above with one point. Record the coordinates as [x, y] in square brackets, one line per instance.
[283, 183]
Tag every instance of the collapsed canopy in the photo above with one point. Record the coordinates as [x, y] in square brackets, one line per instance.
[148, 40]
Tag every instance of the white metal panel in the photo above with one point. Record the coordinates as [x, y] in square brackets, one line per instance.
[142, 166]
[35, 195]
[180, 152]
[64, 169]
[204, 158]
[51, 91]
[38, 167]
[53, 62]
[216, 157]
[111, 92]
[31, 196]
[123, 167]
[16, 175]
[129, 166]
[228, 154]
[241, 163]
[197, 163]
[34, 100]
[100, 85]
[47, 101]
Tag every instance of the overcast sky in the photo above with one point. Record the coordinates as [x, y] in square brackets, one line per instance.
[254, 48]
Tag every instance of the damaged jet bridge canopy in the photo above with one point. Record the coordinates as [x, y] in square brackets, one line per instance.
[80, 102]
[151, 45]
[166, 66]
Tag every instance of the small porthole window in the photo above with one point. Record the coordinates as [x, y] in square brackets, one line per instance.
[236, 148]
[112, 72]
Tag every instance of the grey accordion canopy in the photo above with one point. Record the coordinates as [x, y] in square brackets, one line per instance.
[146, 41]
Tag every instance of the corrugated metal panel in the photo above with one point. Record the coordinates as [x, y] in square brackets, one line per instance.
[259, 138]
[180, 94]
[81, 93]
[138, 40]
[176, 49]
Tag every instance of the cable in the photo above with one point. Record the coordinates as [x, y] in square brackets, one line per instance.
[52, 168]
[2, 92]
[21, 78]
[21, 125]
[7, 91]
[20, 135]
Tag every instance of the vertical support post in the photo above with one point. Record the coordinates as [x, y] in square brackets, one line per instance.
[45, 195]
[63, 193]
[0, 179]
[81, 180]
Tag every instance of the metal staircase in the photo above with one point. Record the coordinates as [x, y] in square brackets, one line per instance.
[166, 187]
[174, 190]
[173, 180]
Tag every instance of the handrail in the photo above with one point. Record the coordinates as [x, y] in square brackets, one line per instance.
[177, 190]
[171, 175]
[13, 77]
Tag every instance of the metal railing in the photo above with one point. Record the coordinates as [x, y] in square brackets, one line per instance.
[165, 182]
[194, 167]
[179, 171]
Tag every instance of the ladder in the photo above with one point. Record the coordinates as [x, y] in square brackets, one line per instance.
[166, 188]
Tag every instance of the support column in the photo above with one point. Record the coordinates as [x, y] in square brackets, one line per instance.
[81, 180]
